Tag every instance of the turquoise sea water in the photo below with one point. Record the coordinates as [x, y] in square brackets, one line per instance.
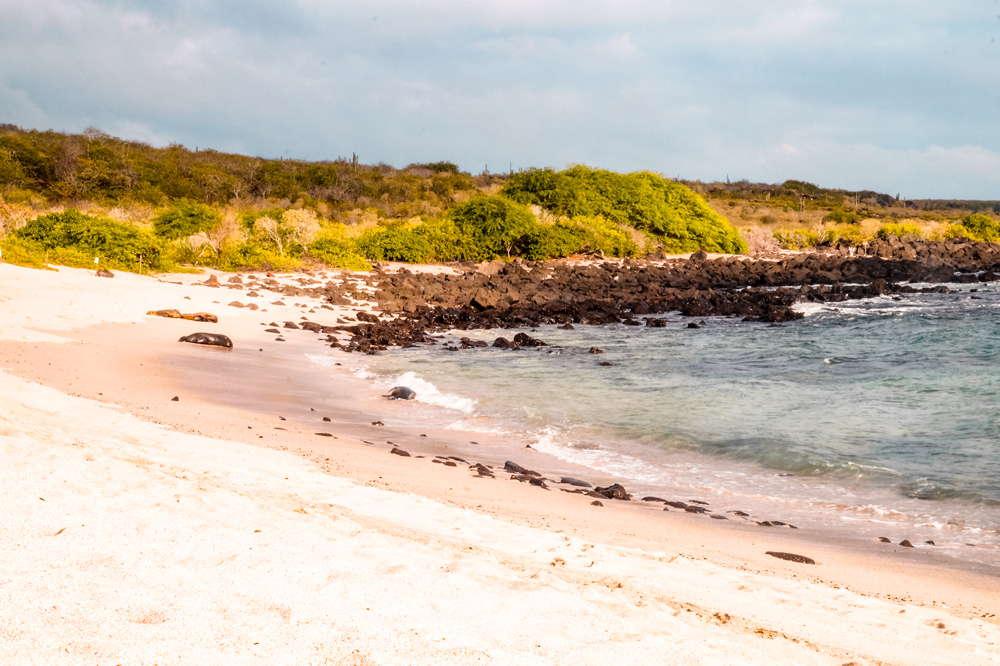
[876, 417]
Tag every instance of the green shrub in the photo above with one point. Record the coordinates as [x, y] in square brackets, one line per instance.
[22, 252]
[667, 210]
[493, 224]
[902, 231]
[119, 246]
[394, 243]
[249, 256]
[567, 237]
[981, 227]
[185, 218]
[338, 254]
[445, 241]
[797, 239]
[841, 216]
[801, 187]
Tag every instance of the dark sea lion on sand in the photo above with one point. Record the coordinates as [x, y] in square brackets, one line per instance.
[214, 339]
[401, 393]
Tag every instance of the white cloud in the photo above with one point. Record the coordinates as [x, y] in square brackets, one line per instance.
[830, 91]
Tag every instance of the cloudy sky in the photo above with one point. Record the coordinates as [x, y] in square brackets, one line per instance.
[898, 96]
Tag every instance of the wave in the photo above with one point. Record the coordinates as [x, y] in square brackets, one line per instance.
[427, 393]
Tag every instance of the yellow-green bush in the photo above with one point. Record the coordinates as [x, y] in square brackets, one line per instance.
[797, 239]
[907, 231]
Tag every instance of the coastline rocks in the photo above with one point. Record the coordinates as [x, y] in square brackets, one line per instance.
[212, 339]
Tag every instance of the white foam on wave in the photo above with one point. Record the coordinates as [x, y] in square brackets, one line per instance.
[428, 393]
[809, 309]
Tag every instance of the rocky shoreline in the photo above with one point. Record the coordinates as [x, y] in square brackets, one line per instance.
[528, 294]
[603, 291]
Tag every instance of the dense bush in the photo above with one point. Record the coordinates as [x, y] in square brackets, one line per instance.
[841, 216]
[394, 243]
[798, 239]
[981, 227]
[493, 224]
[338, 254]
[801, 187]
[185, 218]
[119, 246]
[906, 231]
[669, 211]
[566, 237]
[248, 256]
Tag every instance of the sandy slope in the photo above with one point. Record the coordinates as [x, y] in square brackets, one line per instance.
[130, 542]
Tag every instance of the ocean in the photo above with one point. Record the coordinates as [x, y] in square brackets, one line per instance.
[865, 419]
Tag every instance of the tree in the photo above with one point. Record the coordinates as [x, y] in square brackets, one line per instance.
[301, 226]
[272, 229]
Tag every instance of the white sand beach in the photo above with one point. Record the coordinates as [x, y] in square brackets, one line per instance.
[141, 530]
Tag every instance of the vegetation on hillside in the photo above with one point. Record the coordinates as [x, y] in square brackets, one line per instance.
[67, 199]
[208, 208]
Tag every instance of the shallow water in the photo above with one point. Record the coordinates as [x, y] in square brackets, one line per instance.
[869, 418]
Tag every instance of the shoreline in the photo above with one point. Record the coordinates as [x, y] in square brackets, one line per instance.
[145, 368]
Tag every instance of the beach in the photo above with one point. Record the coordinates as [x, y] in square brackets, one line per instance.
[223, 527]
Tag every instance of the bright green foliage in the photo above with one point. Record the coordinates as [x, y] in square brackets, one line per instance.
[902, 231]
[338, 254]
[567, 237]
[185, 218]
[797, 239]
[119, 246]
[841, 216]
[494, 224]
[21, 252]
[801, 187]
[249, 256]
[437, 167]
[394, 243]
[669, 211]
[981, 227]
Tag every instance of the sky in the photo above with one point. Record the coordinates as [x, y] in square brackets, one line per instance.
[901, 97]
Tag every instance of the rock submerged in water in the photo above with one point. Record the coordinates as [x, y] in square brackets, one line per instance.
[401, 393]
[213, 339]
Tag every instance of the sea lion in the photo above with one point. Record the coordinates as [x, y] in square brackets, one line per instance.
[201, 316]
[401, 393]
[214, 339]
[172, 314]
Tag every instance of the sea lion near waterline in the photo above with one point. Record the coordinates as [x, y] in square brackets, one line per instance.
[401, 393]
[214, 339]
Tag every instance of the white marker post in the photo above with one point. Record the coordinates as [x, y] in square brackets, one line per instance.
[96, 259]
